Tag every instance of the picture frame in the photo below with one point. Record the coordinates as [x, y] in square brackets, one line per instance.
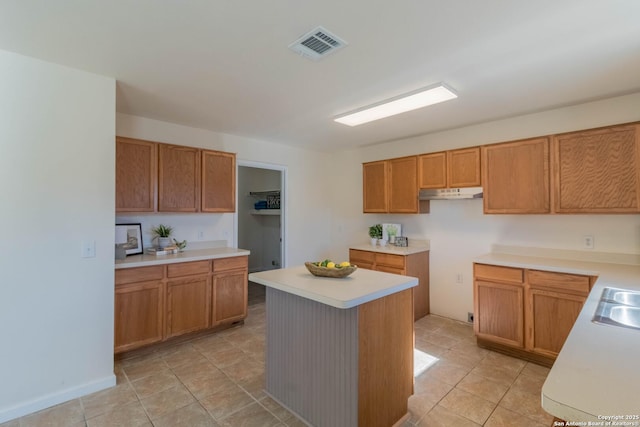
[133, 245]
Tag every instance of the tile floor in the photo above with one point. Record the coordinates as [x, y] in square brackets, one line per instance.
[218, 380]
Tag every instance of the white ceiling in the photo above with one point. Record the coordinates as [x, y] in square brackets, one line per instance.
[224, 65]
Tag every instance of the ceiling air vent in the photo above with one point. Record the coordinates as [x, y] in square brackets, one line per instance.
[317, 44]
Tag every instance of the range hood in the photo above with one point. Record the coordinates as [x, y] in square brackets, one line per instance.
[451, 194]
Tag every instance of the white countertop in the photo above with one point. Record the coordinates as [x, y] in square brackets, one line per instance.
[360, 287]
[391, 249]
[597, 372]
[186, 256]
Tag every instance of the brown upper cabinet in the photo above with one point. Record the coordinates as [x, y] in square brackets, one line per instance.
[391, 186]
[516, 177]
[597, 171]
[450, 169]
[152, 177]
[136, 171]
[178, 178]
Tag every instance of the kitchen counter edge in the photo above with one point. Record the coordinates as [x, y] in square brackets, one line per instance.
[146, 260]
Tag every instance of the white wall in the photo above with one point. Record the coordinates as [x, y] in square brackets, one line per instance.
[308, 212]
[57, 186]
[458, 230]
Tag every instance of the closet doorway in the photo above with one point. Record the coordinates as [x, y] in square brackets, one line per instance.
[261, 213]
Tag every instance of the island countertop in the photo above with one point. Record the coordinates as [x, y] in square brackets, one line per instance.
[595, 374]
[145, 260]
[360, 287]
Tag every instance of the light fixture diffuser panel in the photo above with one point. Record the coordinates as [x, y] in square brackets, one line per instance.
[407, 102]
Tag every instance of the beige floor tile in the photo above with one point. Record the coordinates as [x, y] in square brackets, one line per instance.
[155, 383]
[186, 355]
[430, 348]
[431, 389]
[529, 383]
[131, 414]
[527, 404]
[446, 371]
[103, 401]
[12, 423]
[470, 347]
[227, 401]
[138, 358]
[239, 336]
[465, 360]
[167, 401]
[468, 405]
[440, 339]
[225, 357]
[253, 415]
[495, 372]
[483, 387]
[145, 368]
[254, 386]
[419, 405]
[197, 368]
[207, 383]
[442, 417]
[506, 362]
[458, 331]
[502, 417]
[244, 368]
[63, 415]
[533, 369]
[276, 409]
[193, 415]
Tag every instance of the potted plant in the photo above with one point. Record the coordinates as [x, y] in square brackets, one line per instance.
[163, 234]
[375, 232]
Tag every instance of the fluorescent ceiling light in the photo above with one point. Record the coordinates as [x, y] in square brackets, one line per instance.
[403, 103]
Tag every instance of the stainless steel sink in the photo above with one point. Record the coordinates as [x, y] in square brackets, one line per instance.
[619, 307]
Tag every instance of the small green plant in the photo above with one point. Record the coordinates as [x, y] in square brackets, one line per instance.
[375, 231]
[392, 230]
[162, 230]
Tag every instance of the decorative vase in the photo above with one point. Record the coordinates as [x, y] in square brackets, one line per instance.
[163, 242]
[383, 242]
[374, 241]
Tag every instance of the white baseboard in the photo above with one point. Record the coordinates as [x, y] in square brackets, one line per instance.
[49, 400]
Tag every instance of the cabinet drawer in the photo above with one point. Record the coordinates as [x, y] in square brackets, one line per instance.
[502, 274]
[187, 268]
[138, 274]
[396, 261]
[224, 264]
[393, 270]
[361, 257]
[563, 282]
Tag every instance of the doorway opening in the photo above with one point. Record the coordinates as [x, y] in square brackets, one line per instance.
[261, 213]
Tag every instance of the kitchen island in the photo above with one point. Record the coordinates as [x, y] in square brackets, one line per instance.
[340, 351]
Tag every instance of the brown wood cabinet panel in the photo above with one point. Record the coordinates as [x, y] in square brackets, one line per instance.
[383, 324]
[499, 312]
[432, 170]
[463, 168]
[403, 185]
[188, 305]
[392, 270]
[597, 171]
[363, 259]
[374, 181]
[498, 273]
[390, 260]
[229, 296]
[551, 316]
[232, 263]
[178, 178]
[139, 309]
[516, 177]
[136, 171]
[559, 282]
[218, 181]
[188, 268]
[139, 274]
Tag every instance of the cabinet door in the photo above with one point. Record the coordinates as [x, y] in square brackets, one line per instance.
[178, 178]
[551, 316]
[597, 171]
[363, 259]
[188, 305]
[499, 312]
[139, 309]
[432, 170]
[229, 296]
[403, 185]
[374, 191]
[463, 168]
[516, 177]
[218, 181]
[135, 175]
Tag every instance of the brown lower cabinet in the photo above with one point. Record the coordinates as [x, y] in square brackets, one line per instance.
[415, 265]
[526, 313]
[153, 304]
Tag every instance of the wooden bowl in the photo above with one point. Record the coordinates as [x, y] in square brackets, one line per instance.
[330, 272]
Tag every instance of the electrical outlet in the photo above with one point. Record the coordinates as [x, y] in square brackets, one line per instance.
[459, 278]
[470, 317]
[587, 241]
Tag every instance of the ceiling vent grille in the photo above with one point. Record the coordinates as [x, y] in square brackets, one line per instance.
[317, 44]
